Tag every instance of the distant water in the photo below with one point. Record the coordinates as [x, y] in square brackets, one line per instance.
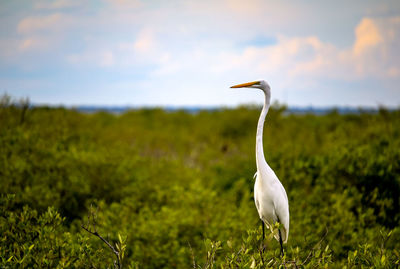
[122, 109]
[196, 109]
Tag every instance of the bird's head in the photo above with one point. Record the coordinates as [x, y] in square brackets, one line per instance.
[260, 84]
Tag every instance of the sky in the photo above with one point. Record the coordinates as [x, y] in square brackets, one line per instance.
[188, 53]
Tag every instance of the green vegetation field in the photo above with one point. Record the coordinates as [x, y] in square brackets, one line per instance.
[175, 189]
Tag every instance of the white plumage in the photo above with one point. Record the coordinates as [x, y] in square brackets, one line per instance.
[269, 194]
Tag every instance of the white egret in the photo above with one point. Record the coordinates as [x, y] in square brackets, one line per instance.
[269, 195]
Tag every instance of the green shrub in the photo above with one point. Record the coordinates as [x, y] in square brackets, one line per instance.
[174, 189]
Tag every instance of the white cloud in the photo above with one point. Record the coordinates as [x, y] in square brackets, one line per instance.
[99, 58]
[367, 37]
[202, 45]
[302, 64]
[375, 51]
[106, 59]
[42, 32]
[33, 43]
[373, 54]
[145, 41]
[124, 4]
[56, 4]
[40, 23]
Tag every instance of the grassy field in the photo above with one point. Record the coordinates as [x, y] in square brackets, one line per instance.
[175, 189]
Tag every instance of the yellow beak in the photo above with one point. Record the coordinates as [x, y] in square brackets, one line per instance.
[245, 84]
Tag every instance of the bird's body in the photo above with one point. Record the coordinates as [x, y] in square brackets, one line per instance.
[269, 194]
[267, 191]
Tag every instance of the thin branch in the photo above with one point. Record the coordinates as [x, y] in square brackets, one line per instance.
[319, 242]
[94, 232]
[104, 240]
[192, 253]
[261, 251]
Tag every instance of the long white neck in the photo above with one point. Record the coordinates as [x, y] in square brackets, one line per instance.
[261, 163]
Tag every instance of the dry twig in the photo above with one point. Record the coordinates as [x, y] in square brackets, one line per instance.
[92, 222]
[316, 245]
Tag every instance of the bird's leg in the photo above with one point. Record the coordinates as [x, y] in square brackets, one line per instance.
[262, 246]
[262, 224]
[280, 241]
